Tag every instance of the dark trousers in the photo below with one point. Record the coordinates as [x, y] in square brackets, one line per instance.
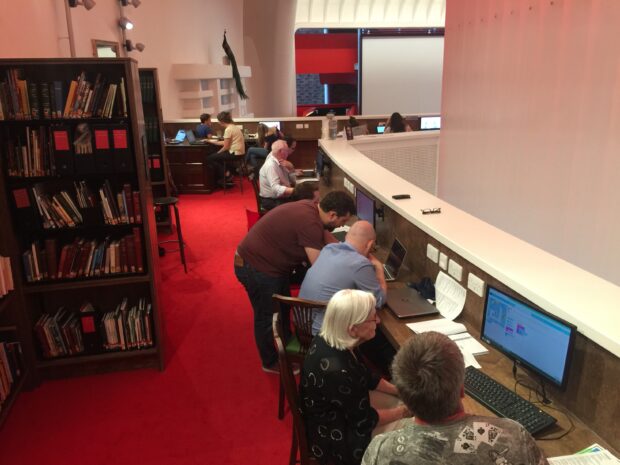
[217, 161]
[260, 287]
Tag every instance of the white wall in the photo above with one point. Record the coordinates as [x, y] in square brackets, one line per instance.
[530, 137]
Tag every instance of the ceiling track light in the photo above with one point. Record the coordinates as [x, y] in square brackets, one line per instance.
[134, 3]
[125, 24]
[130, 46]
[88, 4]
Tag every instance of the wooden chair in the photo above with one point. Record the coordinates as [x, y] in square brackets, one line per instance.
[299, 441]
[256, 186]
[301, 337]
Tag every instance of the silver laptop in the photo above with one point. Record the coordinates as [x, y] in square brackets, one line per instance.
[395, 259]
[406, 303]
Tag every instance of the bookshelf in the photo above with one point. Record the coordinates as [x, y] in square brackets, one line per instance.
[78, 215]
[155, 145]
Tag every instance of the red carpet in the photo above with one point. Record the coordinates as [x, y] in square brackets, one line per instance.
[211, 405]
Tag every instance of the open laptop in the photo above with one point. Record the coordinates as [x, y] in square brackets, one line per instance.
[395, 259]
[178, 139]
[191, 138]
[406, 303]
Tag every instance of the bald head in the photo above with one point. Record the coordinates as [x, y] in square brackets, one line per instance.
[361, 236]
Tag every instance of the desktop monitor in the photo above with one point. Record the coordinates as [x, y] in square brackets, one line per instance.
[365, 206]
[541, 342]
[428, 123]
[271, 124]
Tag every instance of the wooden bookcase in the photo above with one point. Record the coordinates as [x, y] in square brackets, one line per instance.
[159, 169]
[113, 152]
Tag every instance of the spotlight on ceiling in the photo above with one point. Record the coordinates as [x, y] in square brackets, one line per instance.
[126, 24]
[134, 3]
[88, 4]
[130, 46]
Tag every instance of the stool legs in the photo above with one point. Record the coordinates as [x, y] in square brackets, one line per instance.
[180, 236]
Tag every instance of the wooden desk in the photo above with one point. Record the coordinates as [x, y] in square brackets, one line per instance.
[189, 169]
[499, 368]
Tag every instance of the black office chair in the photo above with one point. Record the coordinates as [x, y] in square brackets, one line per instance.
[167, 202]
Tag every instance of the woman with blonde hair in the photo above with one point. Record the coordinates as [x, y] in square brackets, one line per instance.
[344, 403]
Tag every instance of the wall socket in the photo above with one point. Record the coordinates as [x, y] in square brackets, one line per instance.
[348, 185]
[443, 261]
[475, 284]
[455, 270]
[432, 253]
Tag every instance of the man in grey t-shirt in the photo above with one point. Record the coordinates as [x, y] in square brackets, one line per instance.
[428, 372]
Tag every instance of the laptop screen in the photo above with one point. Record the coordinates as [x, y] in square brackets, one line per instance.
[396, 257]
[190, 136]
[430, 122]
[180, 137]
[271, 124]
[380, 129]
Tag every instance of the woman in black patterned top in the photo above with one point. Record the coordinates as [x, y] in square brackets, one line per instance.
[335, 383]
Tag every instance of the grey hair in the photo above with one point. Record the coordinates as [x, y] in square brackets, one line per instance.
[428, 372]
[346, 308]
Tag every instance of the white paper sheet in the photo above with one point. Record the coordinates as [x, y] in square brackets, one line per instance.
[603, 457]
[450, 296]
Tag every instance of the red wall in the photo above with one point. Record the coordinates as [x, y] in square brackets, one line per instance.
[325, 53]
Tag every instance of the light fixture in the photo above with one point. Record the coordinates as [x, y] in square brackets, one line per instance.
[125, 24]
[130, 46]
[134, 3]
[88, 4]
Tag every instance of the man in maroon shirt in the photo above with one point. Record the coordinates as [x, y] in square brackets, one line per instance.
[286, 237]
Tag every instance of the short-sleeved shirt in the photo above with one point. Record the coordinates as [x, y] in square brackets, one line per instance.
[472, 440]
[333, 390]
[203, 131]
[237, 146]
[276, 243]
[339, 266]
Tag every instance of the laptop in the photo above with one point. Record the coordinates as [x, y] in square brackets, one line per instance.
[395, 259]
[406, 303]
[179, 138]
[191, 138]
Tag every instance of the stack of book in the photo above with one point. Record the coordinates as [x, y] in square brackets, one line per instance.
[31, 154]
[57, 211]
[59, 335]
[11, 364]
[84, 258]
[128, 328]
[122, 207]
[6, 276]
[24, 100]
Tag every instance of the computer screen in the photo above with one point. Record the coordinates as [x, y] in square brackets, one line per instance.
[365, 207]
[380, 129]
[271, 124]
[430, 122]
[541, 342]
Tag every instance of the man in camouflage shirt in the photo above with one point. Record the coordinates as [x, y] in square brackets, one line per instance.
[429, 372]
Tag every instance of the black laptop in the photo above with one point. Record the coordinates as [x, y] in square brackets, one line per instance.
[191, 138]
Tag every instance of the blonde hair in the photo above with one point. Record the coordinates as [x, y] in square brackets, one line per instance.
[346, 308]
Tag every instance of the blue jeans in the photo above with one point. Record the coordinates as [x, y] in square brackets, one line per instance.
[260, 287]
[254, 154]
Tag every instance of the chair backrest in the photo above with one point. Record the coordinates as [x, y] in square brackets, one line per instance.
[301, 310]
[292, 395]
[256, 187]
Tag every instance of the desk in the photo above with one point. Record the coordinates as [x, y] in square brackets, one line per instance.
[499, 368]
[189, 169]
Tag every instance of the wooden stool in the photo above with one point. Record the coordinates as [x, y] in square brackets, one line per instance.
[232, 165]
[167, 202]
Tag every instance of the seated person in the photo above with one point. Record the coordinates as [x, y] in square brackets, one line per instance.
[266, 137]
[277, 176]
[428, 372]
[232, 146]
[204, 129]
[396, 123]
[339, 395]
[307, 190]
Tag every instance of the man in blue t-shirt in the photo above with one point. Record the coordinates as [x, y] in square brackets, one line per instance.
[204, 128]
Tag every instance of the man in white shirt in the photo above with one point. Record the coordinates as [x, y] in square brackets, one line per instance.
[277, 176]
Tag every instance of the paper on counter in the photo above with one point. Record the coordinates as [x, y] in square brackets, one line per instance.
[469, 359]
[450, 296]
[467, 343]
[603, 457]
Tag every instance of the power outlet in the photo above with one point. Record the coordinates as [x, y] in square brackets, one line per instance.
[443, 261]
[455, 270]
[475, 284]
[348, 185]
[432, 253]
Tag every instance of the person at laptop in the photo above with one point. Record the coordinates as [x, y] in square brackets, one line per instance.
[204, 129]
[396, 123]
[266, 137]
[283, 239]
[277, 176]
[428, 372]
[232, 146]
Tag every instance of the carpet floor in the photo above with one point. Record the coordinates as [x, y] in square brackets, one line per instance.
[212, 403]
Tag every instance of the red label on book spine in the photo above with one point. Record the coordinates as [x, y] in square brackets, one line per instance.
[102, 142]
[120, 138]
[156, 163]
[61, 140]
[88, 324]
[21, 198]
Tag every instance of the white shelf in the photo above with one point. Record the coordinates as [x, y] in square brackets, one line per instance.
[190, 71]
[194, 113]
[227, 107]
[195, 94]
